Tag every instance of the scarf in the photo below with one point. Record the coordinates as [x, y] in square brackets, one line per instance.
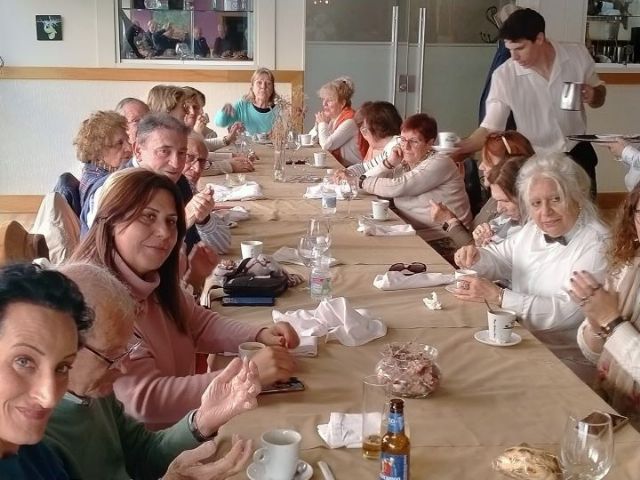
[348, 113]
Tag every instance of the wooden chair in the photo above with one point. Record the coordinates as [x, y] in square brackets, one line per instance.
[18, 245]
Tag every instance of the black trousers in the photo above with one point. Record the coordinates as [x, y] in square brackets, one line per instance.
[585, 156]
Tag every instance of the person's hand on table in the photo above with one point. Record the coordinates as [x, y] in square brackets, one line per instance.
[440, 213]
[232, 392]
[229, 110]
[200, 263]
[196, 464]
[280, 334]
[275, 364]
[200, 206]
[482, 234]
[466, 256]
[477, 289]
[241, 164]
[617, 147]
[599, 305]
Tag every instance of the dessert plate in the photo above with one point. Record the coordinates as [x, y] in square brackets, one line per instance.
[483, 337]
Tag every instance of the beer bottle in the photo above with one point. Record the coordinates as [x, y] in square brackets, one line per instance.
[395, 448]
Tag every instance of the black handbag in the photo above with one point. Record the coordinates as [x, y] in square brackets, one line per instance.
[243, 283]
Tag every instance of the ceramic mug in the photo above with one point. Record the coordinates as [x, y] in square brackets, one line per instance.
[249, 349]
[320, 159]
[500, 323]
[250, 248]
[305, 139]
[380, 209]
[448, 139]
[279, 453]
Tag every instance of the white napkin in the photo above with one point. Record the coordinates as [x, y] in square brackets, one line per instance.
[248, 191]
[399, 281]
[432, 302]
[344, 430]
[290, 255]
[315, 191]
[336, 319]
[374, 230]
[235, 214]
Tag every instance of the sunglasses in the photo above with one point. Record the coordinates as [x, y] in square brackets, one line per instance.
[412, 268]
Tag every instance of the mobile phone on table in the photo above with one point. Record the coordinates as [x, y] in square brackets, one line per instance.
[248, 301]
[617, 422]
[292, 385]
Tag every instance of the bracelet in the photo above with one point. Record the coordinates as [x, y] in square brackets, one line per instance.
[193, 428]
[607, 330]
[361, 180]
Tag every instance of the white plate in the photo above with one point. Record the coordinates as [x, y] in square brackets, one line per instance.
[254, 472]
[483, 337]
[440, 149]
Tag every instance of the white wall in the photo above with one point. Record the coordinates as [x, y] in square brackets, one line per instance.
[39, 118]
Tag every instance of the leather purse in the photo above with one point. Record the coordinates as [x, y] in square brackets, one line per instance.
[243, 283]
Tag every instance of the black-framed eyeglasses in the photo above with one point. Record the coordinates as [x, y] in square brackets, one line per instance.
[114, 363]
[204, 162]
[411, 142]
[408, 268]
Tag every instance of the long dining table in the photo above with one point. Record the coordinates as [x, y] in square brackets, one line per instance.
[489, 399]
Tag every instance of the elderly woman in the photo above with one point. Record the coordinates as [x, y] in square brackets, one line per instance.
[102, 144]
[42, 315]
[502, 183]
[610, 335]
[256, 110]
[88, 429]
[335, 126]
[137, 235]
[497, 147]
[563, 235]
[430, 177]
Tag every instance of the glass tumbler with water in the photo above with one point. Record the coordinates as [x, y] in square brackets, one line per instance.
[586, 452]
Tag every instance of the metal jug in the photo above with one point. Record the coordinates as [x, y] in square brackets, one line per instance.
[571, 96]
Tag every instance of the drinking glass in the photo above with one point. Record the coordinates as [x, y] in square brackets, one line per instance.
[320, 233]
[586, 452]
[349, 189]
[305, 250]
[375, 395]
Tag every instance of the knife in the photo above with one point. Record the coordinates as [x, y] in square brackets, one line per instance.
[326, 471]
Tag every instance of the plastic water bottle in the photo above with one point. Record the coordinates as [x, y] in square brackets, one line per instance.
[320, 278]
[329, 196]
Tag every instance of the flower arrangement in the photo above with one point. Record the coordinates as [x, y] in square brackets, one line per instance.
[289, 116]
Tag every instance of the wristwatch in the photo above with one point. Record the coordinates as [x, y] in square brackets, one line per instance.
[449, 223]
[361, 180]
[607, 330]
[193, 428]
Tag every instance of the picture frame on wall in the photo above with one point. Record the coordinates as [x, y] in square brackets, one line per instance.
[48, 27]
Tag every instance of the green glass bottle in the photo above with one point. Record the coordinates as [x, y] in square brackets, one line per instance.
[396, 448]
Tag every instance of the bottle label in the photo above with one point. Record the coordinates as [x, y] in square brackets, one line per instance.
[396, 422]
[394, 467]
[329, 201]
[320, 285]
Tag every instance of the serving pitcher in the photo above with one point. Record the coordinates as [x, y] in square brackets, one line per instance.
[571, 98]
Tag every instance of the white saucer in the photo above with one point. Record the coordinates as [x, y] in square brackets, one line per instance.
[370, 218]
[440, 149]
[483, 337]
[307, 145]
[255, 472]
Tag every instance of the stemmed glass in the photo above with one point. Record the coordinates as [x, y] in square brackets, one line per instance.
[586, 452]
[349, 189]
[320, 234]
[305, 250]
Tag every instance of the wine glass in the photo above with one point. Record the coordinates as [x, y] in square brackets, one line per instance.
[320, 233]
[305, 250]
[349, 189]
[586, 452]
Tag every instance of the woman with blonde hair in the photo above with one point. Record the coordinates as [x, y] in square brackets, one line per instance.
[335, 126]
[102, 144]
[137, 235]
[256, 110]
[610, 336]
[168, 99]
[497, 147]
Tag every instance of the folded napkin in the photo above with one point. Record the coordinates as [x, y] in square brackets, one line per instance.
[374, 230]
[399, 281]
[290, 255]
[235, 214]
[248, 191]
[344, 429]
[315, 191]
[336, 319]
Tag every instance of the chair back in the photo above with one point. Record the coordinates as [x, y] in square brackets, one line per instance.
[18, 245]
[69, 187]
[60, 226]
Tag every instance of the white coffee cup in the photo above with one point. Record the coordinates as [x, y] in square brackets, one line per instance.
[458, 274]
[305, 139]
[380, 209]
[250, 248]
[500, 323]
[320, 159]
[279, 454]
[447, 139]
[249, 349]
